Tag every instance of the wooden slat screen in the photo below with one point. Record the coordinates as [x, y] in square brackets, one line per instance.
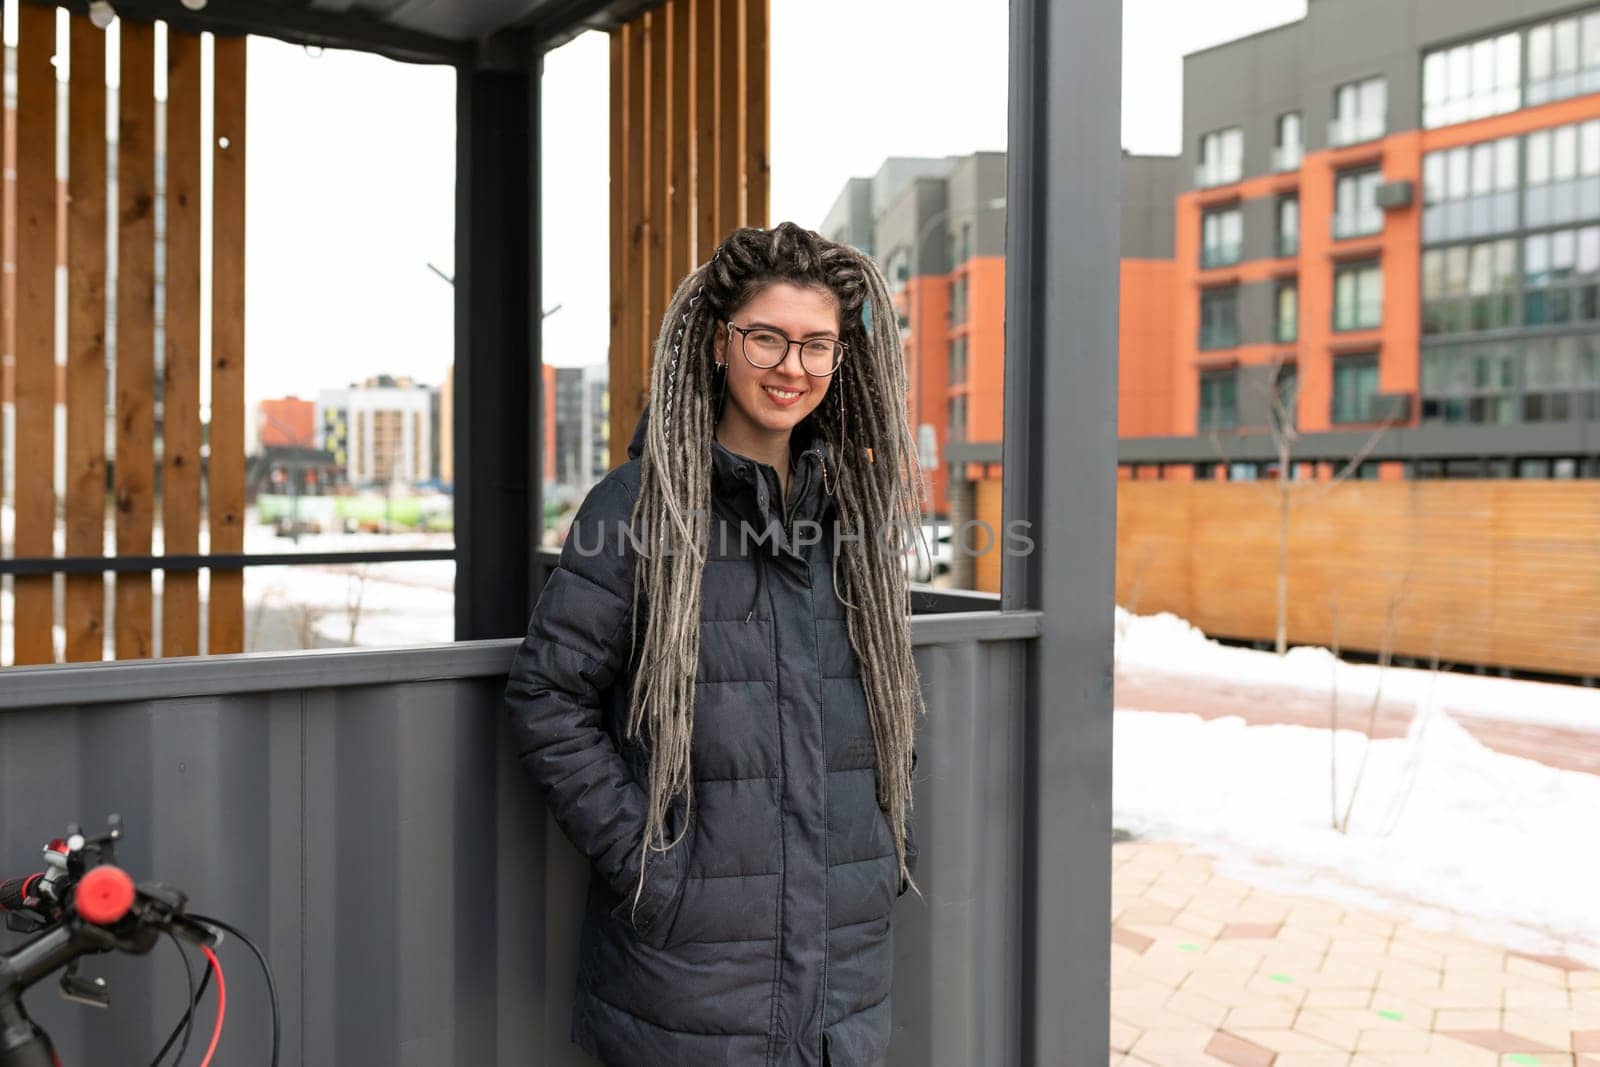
[1498, 573]
[689, 132]
[52, 222]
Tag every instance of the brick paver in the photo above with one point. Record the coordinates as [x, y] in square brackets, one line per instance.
[1206, 970]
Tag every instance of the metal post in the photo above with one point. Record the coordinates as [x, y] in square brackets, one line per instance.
[498, 423]
[1063, 196]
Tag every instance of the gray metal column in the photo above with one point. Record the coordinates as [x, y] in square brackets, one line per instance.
[498, 421]
[1063, 197]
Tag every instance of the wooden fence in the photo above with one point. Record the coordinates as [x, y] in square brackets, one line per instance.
[1500, 573]
[689, 142]
[146, 456]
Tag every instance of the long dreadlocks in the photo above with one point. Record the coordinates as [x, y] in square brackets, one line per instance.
[863, 421]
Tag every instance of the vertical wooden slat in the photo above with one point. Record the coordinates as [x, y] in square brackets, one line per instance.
[730, 118]
[680, 146]
[35, 324]
[703, 122]
[758, 91]
[657, 168]
[617, 211]
[629, 361]
[135, 296]
[180, 424]
[86, 337]
[225, 466]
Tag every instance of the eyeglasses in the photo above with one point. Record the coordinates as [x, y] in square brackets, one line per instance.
[766, 348]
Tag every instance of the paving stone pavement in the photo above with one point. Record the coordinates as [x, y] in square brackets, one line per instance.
[1206, 970]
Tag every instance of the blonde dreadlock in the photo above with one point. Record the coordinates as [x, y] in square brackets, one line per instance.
[877, 486]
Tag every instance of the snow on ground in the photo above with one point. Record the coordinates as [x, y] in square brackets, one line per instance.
[1443, 830]
[387, 603]
[1170, 645]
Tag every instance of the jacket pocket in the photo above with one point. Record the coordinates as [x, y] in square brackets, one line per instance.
[654, 917]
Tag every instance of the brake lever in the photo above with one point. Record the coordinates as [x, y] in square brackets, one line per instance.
[80, 990]
[25, 922]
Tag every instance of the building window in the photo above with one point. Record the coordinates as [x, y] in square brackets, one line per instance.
[1563, 58]
[1286, 320]
[1563, 179]
[958, 300]
[1552, 373]
[1289, 226]
[1287, 387]
[1472, 287]
[957, 430]
[1471, 191]
[1561, 277]
[1219, 399]
[1470, 384]
[1355, 197]
[1357, 296]
[1355, 387]
[1219, 317]
[958, 361]
[899, 269]
[1221, 237]
[965, 249]
[1290, 144]
[1472, 81]
[1221, 157]
[1360, 112]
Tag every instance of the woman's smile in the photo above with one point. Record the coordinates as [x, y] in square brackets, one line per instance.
[781, 396]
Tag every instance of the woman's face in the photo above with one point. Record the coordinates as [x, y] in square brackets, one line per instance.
[775, 399]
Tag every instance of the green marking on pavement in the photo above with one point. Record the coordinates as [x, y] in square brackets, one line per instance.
[1522, 1057]
[1387, 1014]
[1282, 978]
[1188, 947]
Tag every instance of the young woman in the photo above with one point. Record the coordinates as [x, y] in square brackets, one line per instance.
[716, 694]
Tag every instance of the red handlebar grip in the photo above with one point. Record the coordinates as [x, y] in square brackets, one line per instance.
[104, 895]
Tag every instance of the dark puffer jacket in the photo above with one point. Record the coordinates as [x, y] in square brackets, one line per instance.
[765, 933]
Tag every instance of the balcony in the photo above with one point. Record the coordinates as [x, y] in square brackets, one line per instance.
[1219, 336]
[1223, 255]
[1215, 172]
[1286, 157]
[1354, 129]
[1363, 223]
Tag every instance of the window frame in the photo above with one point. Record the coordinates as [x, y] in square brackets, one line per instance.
[1357, 268]
[1210, 172]
[1211, 296]
[1227, 377]
[1221, 253]
[1371, 214]
[1347, 363]
[1358, 128]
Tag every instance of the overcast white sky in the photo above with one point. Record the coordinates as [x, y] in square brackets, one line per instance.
[352, 164]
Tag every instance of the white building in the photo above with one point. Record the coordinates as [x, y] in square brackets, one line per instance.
[388, 428]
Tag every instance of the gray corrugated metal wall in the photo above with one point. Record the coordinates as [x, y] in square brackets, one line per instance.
[359, 816]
